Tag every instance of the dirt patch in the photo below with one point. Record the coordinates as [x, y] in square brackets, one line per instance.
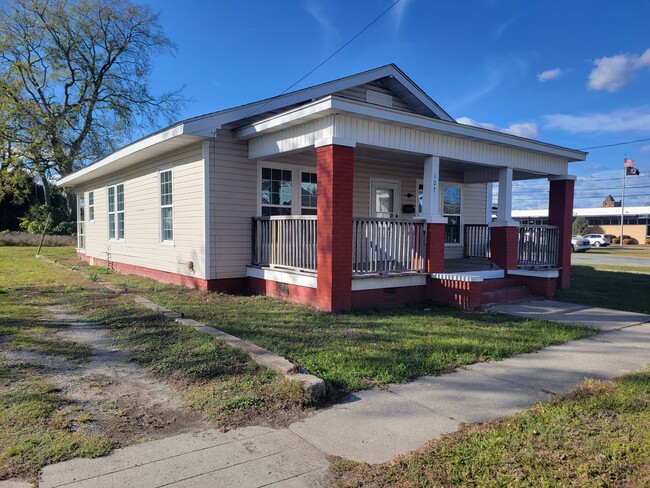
[124, 402]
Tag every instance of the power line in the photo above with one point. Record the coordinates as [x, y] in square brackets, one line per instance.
[329, 57]
[615, 144]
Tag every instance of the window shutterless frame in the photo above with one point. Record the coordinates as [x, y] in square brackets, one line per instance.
[91, 206]
[165, 187]
[286, 189]
[116, 212]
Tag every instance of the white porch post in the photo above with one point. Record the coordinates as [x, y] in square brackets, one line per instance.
[504, 210]
[435, 251]
[431, 191]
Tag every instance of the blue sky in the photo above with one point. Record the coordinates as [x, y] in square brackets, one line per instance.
[574, 73]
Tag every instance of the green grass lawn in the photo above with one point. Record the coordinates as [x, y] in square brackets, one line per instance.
[39, 425]
[627, 251]
[608, 289]
[595, 436]
[358, 350]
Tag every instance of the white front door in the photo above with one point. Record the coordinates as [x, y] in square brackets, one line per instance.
[384, 198]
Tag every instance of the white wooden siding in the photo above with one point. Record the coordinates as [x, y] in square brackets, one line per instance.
[390, 136]
[359, 93]
[233, 205]
[142, 246]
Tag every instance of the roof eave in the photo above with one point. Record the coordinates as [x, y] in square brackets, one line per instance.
[332, 104]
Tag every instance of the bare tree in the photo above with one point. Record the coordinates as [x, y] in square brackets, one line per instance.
[74, 80]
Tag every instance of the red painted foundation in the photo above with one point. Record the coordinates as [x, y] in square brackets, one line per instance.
[294, 293]
[388, 297]
[235, 285]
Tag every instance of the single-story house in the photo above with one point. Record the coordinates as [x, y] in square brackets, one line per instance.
[359, 192]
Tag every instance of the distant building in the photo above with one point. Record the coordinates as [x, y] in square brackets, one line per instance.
[610, 202]
[602, 220]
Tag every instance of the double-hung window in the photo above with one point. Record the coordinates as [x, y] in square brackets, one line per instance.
[91, 206]
[287, 190]
[166, 207]
[116, 211]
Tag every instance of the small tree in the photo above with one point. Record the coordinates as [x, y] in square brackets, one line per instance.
[580, 226]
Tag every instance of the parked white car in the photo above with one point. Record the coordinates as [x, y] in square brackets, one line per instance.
[580, 244]
[597, 240]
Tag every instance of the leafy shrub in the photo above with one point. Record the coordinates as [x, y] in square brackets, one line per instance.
[34, 221]
[629, 241]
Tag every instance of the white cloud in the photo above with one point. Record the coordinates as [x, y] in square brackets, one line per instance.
[614, 72]
[522, 129]
[315, 10]
[635, 120]
[398, 14]
[645, 148]
[549, 74]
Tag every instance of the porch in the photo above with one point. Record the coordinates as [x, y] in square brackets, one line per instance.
[389, 247]
[391, 254]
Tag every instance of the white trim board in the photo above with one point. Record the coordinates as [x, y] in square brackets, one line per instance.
[308, 281]
[373, 283]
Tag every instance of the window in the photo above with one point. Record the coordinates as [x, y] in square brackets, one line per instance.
[451, 208]
[287, 190]
[276, 192]
[116, 211]
[166, 206]
[308, 193]
[82, 209]
[91, 205]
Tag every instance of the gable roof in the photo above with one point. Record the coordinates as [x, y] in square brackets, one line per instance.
[204, 126]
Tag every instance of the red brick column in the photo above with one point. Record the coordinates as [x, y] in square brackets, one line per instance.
[435, 257]
[334, 167]
[504, 246]
[560, 213]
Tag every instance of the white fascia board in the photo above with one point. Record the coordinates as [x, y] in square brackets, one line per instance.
[206, 124]
[332, 104]
[139, 145]
[420, 94]
[453, 128]
[316, 109]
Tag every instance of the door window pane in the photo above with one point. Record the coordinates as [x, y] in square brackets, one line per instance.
[384, 201]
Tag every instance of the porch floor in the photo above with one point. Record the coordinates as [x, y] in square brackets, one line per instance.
[465, 265]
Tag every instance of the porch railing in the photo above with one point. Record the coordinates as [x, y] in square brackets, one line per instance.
[387, 245]
[285, 241]
[538, 246]
[477, 241]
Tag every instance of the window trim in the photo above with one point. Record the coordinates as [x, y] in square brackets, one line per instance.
[443, 186]
[115, 212]
[161, 240]
[90, 203]
[296, 180]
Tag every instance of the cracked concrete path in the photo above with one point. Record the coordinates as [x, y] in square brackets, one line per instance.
[374, 425]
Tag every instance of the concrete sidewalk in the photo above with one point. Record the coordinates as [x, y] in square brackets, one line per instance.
[376, 425]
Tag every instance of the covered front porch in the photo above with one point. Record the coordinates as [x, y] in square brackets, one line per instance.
[380, 213]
